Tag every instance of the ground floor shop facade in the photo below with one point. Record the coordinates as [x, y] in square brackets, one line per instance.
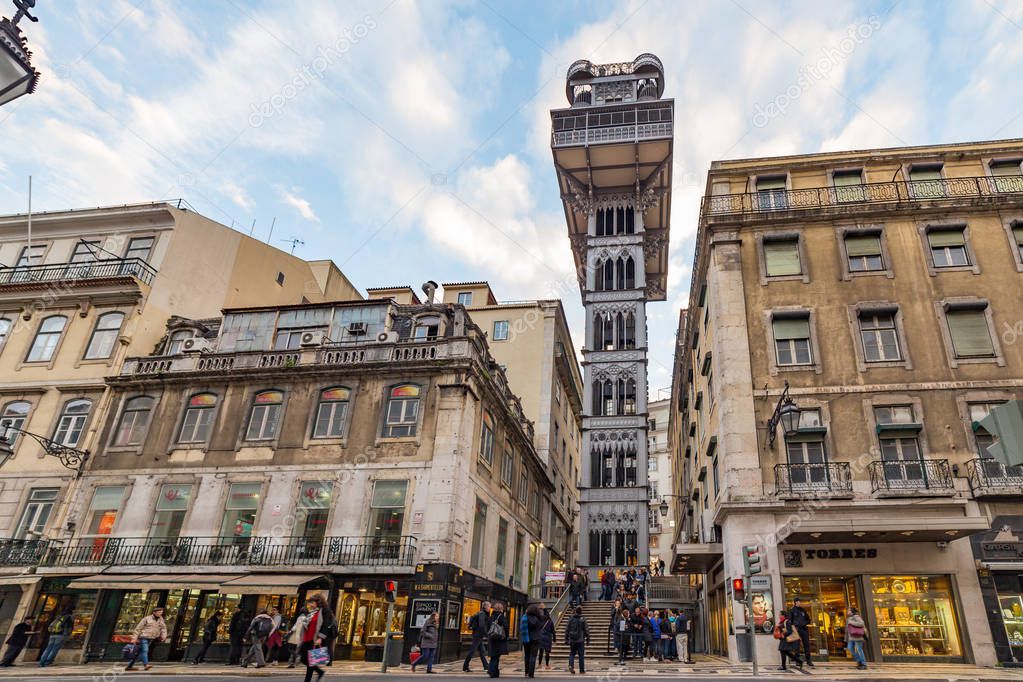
[999, 557]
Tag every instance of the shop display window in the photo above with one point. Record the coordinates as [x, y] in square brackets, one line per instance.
[1010, 607]
[50, 605]
[225, 603]
[362, 619]
[827, 600]
[915, 616]
[470, 607]
[134, 607]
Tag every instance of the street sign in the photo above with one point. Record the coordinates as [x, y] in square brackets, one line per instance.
[759, 583]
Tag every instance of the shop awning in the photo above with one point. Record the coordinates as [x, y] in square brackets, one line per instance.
[269, 583]
[20, 579]
[151, 581]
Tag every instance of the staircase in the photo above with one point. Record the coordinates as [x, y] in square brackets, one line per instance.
[598, 617]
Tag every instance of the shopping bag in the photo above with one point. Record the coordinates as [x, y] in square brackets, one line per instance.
[318, 656]
[129, 651]
[414, 655]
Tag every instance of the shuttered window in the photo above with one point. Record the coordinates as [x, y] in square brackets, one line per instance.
[782, 257]
[1008, 175]
[971, 337]
[948, 247]
[864, 252]
[1017, 235]
[925, 182]
[792, 341]
[849, 186]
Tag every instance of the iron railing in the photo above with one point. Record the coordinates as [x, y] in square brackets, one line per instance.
[232, 551]
[817, 198]
[911, 476]
[73, 272]
[22, 552]
[989, 477]
[798, 480]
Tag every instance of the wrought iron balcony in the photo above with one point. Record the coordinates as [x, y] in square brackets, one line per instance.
[946, 191]
[22, 552]
[991, 478]
[831, 479]
[613, 123]
[910, 477]
[70, 273]
[232, 551]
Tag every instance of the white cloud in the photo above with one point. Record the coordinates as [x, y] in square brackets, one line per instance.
[302, 206]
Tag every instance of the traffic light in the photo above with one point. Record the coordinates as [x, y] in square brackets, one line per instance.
[739, 589]
[751, 559]
[390, 590]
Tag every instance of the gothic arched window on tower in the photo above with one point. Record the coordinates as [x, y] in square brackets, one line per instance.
[628, 400]
[630, 221]
[630, 273]
[630, 330]
[620, 272]
[620, 221]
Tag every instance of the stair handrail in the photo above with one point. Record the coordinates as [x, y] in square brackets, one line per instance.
[559, 608]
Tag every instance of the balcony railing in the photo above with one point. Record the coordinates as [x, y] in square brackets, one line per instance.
[813, 480]
[74, 272]
[22, 552]
[947, 190]
[989, 477]
[231, 551]
[911, 477]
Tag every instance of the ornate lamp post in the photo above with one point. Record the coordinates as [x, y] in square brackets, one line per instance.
[786, 413]
[17, 76]
[71, 458]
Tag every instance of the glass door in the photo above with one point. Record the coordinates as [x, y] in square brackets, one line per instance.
[183, 633]
[828, 600]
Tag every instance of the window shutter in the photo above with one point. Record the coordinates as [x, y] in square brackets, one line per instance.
[1003, 168]
[863, 245]
[970, 334]
[938, 238]
[1017, 233]
[848, 179]
[777, 182]
[782, 257]
[791, 328]
[925, 173]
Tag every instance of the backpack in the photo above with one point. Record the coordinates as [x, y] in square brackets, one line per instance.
[263, 627]
[57, 626]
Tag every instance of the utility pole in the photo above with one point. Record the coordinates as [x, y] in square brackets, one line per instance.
[752, 564]
[390, 594]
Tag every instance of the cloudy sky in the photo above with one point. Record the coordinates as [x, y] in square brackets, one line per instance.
[410, 141]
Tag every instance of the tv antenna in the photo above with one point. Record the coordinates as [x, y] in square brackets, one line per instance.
[294, 242]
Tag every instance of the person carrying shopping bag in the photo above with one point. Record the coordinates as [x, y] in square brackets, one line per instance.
[855, 633]
[429, 637]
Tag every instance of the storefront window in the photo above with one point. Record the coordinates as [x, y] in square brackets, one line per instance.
[225, 603]
[915, 616]
[240, 512]
[171, 507]
[1010, 607]
[134, 607]
[827, 600]
[362, 621]
[51, 603]
[470, 607]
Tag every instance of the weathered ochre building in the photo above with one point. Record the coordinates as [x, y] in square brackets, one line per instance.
[881, 288]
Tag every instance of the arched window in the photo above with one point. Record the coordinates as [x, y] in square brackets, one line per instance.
[630, 330]
[265, 415]
[427, 328]
[629, 398]
[131, 427]
[47, 337]
[198, 419]
[620, 273]
[603, 222]
[606, 398]
[609, 275]
[619, 402]
[598, 331]
[596, 468]
[104, 336]
[487, 439]
[176, 339]
[630, 221]
[619, 221]
[331, 413]
[619, 330]
[630, 273]
[402, 414]
[72, 422]
[13, 417]
[5, 329]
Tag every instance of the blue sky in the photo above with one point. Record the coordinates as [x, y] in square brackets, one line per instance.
[409, 141]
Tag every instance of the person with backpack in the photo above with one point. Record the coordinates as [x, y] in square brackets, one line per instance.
[788, 641]
[547, 637]
[320, 628]
[209, 635]
[429, 638]
[152, 628]
[497, 634]
[259, 630]
[59, 630]
[577, 635]
[478, 624]
[855, 633]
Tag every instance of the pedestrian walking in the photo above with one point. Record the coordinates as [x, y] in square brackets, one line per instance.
[59, 630]
[152, 628]
[236, 635]
[855, 633]
[801, 621]
[275, 642]
[787, 635]
[577, 635]
[209, 636]
[497, 634]
[258, 632]
[547, 637]
[320, 627]
[429, 637]
[532, 623]
[17, 641]
[479, 625]
[682, 627]
[295, 636]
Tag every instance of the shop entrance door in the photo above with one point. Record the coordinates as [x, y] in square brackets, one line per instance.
[183, 604]
[828, 600]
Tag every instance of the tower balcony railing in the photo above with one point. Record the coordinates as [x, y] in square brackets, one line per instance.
[56, 273]
[813, 480]
[946, 191]
[910, 477]
[991, 478]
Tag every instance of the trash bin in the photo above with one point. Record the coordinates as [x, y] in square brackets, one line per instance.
[394, 649]
[744, 644]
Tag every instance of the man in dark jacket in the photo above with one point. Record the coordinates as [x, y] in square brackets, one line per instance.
[17, 641]
[577, 634]
[479, 624]
[801, 622]
[532, 624]
[209, 635]
[498, 636]
[236, 633]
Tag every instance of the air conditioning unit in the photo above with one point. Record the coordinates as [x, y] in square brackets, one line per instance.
[387, 337]
[312, 339]
[357, 328]
[196, 345]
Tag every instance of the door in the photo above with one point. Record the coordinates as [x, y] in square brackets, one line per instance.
[186, 606]
[827, 600]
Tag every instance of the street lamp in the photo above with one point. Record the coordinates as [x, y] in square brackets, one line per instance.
[664, 504]
[17, 76]
[71, 458]
[786, 413]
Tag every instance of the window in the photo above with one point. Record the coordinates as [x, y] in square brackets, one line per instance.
[981, 436]
[479, 531]
[83, 255]
[487, 439]
[171, 507]
[131, 429]
[1017, 238]
[427, 329]
[387, 510]
[534, 502]
[893, 414]
[806, 464]
[771, 194]
[104, 336]
[293, 324]
[72, 422]
[176, 339]
[402, 413]
[792, 341]
[864, 252]
[265, 415]
[897, 438]
[331, 413]
[501, 330]
[557, 392]
[13, 417]
[31, 255]
[1008, 176]
[106, 503]
[313, 512]
[47, 337]
[5, 329]
[948, 247]
[240, 511]
[925, 181]
[508, 464]
[465, 298]
[781, 257]
[37, 512]
[849, 185]
[198, 419]
[971, 337]
[523, 486]
[880, 337]
[139, 247]
[520, 552]
[502, 548]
